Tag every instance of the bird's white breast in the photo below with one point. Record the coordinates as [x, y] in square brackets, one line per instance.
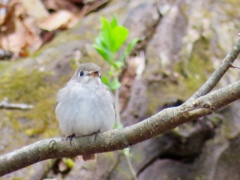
[84, 110]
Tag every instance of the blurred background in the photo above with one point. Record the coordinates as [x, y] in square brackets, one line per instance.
[181, 42]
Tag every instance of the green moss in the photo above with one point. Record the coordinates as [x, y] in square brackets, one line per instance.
[32, 88]
[4, 65]
[73, 64]
[196, 70]
[231, 7]
[21, 86]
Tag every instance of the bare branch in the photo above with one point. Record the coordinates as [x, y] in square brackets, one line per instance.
[120, 138]
[218, 74]
[232, 66]
[4, 104]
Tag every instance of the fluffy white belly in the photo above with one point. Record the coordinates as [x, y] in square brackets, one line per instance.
[83, 111]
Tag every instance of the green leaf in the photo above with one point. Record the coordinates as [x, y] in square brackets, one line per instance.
[118, 64]
[106, 33]
[110, 73]
[126, 151]
[105, 80]
[115, 84]
[69, 162]
[118, 126]
[114, 22]
[118, 36]
[110, 39]
[105, 54]
[131, 45]
[129, 49]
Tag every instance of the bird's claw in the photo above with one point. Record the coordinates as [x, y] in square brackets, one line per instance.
[71, 137]
[95, 135]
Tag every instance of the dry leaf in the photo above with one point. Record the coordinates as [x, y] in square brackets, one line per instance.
[35, 9]
[18, 32]
[59, 20]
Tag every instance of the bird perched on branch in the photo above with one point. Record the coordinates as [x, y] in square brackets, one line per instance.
[85, 105]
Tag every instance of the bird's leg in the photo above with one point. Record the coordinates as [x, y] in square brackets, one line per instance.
[95, 135]
[71, 137]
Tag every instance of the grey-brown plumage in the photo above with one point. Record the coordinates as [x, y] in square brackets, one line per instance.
[85, 104]
[89, 67]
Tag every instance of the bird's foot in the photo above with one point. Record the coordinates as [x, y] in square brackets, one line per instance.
[71, 137]
[95, 134]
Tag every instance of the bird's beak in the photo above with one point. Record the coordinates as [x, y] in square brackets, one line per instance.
[94, 73]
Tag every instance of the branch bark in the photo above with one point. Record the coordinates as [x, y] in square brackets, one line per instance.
[120, 138]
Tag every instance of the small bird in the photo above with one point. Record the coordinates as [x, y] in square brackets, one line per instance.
[85, 105]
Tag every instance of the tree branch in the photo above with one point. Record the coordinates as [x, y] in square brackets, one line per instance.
[120, 138]
[4, 104]
[218, 74]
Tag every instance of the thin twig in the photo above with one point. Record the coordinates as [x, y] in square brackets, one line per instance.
[116, 99]
[218, 74]
[119, 124]
[4, 104]
[236, 67]
[134, 174]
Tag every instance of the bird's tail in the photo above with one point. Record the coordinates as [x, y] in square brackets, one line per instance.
[88, 157]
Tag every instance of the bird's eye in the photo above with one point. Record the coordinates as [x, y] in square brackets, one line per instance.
[81, 73]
